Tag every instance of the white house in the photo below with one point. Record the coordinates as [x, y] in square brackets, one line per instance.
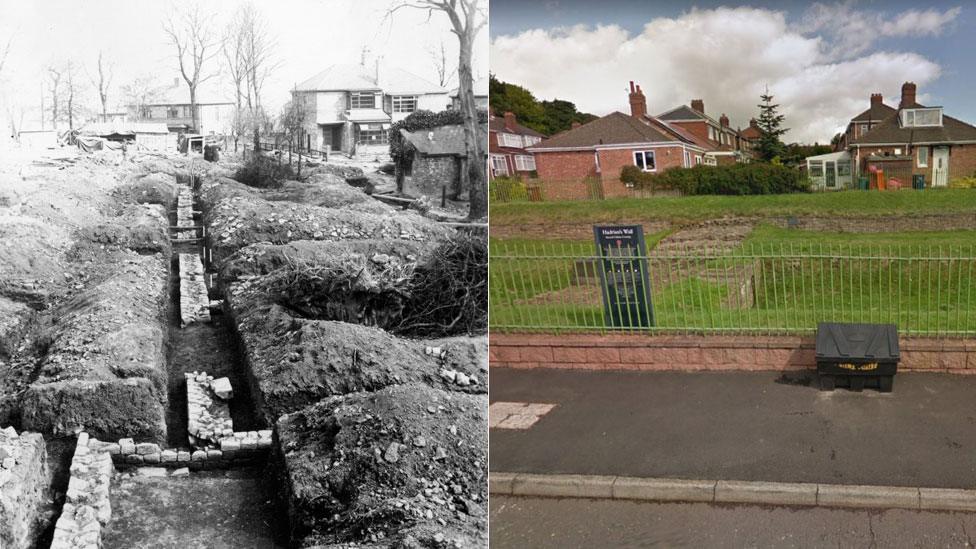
[351, 107]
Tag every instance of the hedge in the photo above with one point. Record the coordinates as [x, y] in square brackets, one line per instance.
[736, 179]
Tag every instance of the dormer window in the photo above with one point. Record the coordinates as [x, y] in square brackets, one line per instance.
[916, 118]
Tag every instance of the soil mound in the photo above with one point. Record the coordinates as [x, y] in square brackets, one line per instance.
[404, 466]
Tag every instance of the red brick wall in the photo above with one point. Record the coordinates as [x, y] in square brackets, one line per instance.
[561, 174]
[962, 161]
[694, 353]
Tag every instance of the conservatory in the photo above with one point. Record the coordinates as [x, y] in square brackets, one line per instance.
[830, 171]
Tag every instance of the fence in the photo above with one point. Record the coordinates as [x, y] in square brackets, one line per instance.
[771, 289]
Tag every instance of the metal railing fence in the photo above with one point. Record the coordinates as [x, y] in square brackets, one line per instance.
[749, 289]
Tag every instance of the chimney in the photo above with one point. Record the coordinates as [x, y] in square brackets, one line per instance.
[907, 95]
[638, 103]
[876, 100]
[753, 123]
[575, 125]
[510, 120]
[724, 121]
[698, 106]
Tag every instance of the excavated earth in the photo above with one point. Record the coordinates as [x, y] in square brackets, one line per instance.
[348, 398]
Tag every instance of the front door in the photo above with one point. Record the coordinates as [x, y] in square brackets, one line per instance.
[830, 173]
[940, 166]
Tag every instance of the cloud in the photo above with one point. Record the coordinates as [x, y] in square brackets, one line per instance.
[851, 31]
[725, 56]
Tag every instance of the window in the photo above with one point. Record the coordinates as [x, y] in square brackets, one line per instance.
[816, 168]
[530, 140]
[524, 163]
[687, 159]
[698, 159]
[172, 112]
[711, 133]
[912, 118]
[362, 100]
[843, 168]
[645, 160]
[371, 134]
[923, 157]
[509, 140]
[404, 103]
[498, 164]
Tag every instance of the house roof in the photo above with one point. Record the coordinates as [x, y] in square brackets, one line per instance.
[615, 128]
[440, 141]
[879, 111]
[180, 95]
[123, 128]
[890, 131]
[497, 124]
[680, 133]
[350, 77]
[684, 112]
[751, 132]
[367, 115]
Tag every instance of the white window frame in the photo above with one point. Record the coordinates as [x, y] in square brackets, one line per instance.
[509, 140]
[698, 160]
[818, 165]
[525, 163]
[404, 103]
[531, 140]
[711, 133]
[911, 114]
[643, 156]
[495, 160]
[687, 158]
[920, 162]
[358, 97]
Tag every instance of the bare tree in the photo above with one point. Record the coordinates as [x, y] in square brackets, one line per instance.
[249, 50]
[293, 118]
[72, 88]
[55, 75]
[192, 34]
[441, 66]
[467, 18]
[141, 92]
[5, 53]
[102, 84]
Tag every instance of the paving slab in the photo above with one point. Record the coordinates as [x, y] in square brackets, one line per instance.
[750, 426]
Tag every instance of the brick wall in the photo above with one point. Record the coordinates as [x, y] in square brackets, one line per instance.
[962, 161]
[703, 353]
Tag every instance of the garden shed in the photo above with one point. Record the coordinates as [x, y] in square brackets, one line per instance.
[830, 171]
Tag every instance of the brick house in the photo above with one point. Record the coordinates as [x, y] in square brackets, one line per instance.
[716, 136]
[914, 140]
[749, 137]
[439, 162]
[507, 143]
[569, 162]
[215, 112]
[351, 107]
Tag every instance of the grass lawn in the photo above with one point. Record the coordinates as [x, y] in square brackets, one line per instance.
[693, 208]
[791, 278]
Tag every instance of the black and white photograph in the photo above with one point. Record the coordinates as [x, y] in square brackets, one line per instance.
[243, 274]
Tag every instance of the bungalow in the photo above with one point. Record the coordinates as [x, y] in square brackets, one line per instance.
[507, 144]
[913, 140]
[598, 150]
[351, 107]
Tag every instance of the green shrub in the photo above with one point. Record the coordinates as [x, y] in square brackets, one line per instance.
[963, 183]
[736, 179]
[507, 189]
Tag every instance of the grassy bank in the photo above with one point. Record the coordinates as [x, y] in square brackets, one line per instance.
[693, 208]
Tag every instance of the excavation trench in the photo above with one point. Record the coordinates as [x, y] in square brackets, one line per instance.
[221, 507]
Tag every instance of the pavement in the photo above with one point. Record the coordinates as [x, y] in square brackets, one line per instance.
[748, 426]
[565, 523]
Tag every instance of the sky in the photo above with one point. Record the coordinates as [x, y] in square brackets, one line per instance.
[821, 61]
[311, 35]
